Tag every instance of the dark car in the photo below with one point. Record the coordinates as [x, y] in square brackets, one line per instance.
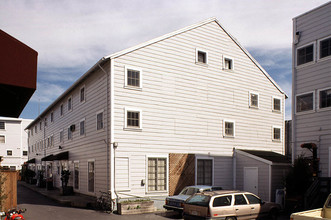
[176, 202]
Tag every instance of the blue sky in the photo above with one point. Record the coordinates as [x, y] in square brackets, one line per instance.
[71, 36]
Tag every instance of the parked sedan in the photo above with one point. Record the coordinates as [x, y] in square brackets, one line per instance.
[176, 202]
[228, 205]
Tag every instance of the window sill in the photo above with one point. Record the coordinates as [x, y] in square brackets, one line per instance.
[305, 112]
[324, 58]
[254, 107]
[305, 64]
[277, 111]
[226, 136]
[276, 141]
[133, 129]
[133, 88]
[228, 70]
[201, 64]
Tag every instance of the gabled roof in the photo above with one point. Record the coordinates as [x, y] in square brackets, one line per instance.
[161, 38]
[268, 157]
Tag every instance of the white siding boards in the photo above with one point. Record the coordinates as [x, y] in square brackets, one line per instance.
[170, 95]
[311, 80]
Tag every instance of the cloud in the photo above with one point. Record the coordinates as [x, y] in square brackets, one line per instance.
[47, 92]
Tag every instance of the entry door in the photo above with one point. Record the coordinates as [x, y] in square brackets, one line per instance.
[251, 179]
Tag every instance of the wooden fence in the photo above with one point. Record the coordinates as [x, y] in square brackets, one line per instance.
[9, 188]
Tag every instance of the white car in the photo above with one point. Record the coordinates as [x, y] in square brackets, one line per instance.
[176, 202]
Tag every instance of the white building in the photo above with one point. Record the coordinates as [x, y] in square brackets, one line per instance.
[13, 142]
[311, 86]
[167, 113]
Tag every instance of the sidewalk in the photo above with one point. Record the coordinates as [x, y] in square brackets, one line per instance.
[77, 200]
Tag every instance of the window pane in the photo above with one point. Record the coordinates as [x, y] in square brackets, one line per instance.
[82, 127]
[252, 199]
[276, 133]
[82, 94]
[2, 139]
[2, 125]
[99, 121]
[229, 128]
[133, 119]
[202, 57]
[205, 172]
[325, 48]
[222, 201]
[254, 100]
[240, 200]
[91, 176]
[133, 78]
[157, 174]
[276, 104]
[325, 98]
[305, 55]
[305, 102]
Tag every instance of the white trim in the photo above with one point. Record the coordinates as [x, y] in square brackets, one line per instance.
[200, 157]
[126, 68]
[126, 127]
[319, 98]
[225, 57]
[166, 156]
[197, 50]
[250, 93]
[319, 49]
[272, 104]
[280, 135]
[112, 128]
[234, 128]
[310, 62]
[308, 111]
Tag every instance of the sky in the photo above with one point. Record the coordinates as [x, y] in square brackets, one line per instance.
[70, 36]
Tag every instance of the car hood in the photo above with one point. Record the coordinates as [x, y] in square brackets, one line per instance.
[178, 197]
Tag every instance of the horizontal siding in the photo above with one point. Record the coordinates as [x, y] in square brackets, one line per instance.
[184, 104]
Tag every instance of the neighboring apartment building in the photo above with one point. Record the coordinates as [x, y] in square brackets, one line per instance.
[13, 142]
[311, 86]
[167, 113]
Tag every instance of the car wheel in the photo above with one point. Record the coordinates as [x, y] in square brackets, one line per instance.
[273, 214]
[231, 218]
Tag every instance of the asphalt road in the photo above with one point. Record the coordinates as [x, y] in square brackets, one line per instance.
[39, 207]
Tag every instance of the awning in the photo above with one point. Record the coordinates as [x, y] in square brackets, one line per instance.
[33, 160]
[48, 158]
[62, 156]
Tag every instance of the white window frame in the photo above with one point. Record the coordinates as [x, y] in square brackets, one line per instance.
[319, 99]
[197, 50]
[96, 120]
[198, 157]
[314, 55]
[160, 156]
[232, 63]
[272, 103]
[126, 110]
[71, 103]
[4, 138]
[126, 68]
[250, 99]
[308, 111]
[234, 128]
[280, 133]
[319, 49]
[80, 94]
[82, 120]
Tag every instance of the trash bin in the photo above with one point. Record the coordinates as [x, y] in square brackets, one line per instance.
[280, 197]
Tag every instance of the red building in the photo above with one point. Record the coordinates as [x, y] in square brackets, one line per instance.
[18, 75]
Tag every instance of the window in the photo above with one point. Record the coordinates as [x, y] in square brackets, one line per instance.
[69, 104]
[61, 136]
[2, 125]
[9, 153]
[61, 110]
[227, 63]
[2, 139]
[222, 201]
[82, 94]
[305, 102]
[82, 127]
[239, 200]
[205, 172]
[133, 77]
[52, 141]
[253, 100]
[229, 128]
[133, 119]
[100, 121]
[325, 98]
[201, 57]
[276, 104]
[276, 133]
[253, 199]
[25, 153]
[91, 176]
[52, 117]
[305, 54]
[324, 48]
[69, 133]
[157, 174]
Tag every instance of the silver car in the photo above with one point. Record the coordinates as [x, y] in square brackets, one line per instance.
[176, 202]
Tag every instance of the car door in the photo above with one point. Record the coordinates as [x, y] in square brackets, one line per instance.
[222, 206]
[241, 207]
[255, 205]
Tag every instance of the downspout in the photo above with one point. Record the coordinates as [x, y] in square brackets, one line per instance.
[293, 141]
[112, 139]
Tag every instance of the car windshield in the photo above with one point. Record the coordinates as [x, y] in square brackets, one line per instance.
[200, 200]
[189, 191]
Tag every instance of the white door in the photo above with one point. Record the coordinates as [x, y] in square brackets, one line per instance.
[251, 179]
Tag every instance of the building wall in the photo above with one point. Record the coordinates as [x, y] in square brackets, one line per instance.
[312, 126]
[82, 148]
[15, 140]
[184, 104]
